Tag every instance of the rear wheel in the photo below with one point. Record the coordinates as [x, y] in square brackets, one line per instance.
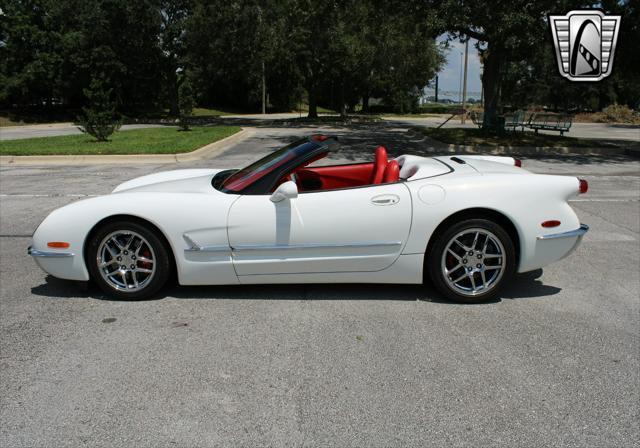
[471, 261]
[127, 260]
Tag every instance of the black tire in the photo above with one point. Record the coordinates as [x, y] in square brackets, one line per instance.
[435, 261]
[162, 261]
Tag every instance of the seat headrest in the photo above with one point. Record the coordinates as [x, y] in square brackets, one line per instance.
[391, 172]
[379, 165]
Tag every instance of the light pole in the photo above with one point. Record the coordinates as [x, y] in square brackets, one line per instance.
[460, 84]
[464, 82]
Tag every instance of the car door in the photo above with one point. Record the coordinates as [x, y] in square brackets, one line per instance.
[358, 229]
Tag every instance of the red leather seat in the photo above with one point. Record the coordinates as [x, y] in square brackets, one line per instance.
[379, 165]
[392, 172]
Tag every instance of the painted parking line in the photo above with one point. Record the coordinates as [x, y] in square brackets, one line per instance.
[20, 195]
[605, 200]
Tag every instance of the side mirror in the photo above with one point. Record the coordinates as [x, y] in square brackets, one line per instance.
[286, 190]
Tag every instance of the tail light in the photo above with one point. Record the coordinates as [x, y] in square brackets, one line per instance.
[551, 223]
[584, 186]
[517, 162]
[58, 244]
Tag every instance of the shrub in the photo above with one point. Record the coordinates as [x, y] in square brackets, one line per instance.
[619, 114]
[99, 117]
[185, 103]
[438, 108]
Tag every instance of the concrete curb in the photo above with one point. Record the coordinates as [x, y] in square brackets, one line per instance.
[542, 150]
[205, 152]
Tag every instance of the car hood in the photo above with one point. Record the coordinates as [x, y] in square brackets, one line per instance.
[175, 181]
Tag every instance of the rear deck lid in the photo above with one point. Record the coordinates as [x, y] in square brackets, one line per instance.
[416, 167]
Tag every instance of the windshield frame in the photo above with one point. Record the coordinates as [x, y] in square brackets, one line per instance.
[261, 176]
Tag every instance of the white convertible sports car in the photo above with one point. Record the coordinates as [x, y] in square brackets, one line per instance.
[467, 223]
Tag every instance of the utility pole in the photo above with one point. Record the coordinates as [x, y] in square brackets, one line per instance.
[460, 84]
[436, 88]
[264, 90]
[464, 85]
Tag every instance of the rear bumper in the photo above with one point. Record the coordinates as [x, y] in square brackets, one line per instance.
[570, 234]
[553, 247]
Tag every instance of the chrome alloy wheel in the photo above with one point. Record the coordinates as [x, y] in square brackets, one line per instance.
[473, 262]
[126, 260]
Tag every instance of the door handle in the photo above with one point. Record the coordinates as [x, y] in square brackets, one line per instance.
[385, 199]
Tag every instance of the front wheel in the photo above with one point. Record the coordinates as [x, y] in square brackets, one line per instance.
[128, 260]
[472, 260]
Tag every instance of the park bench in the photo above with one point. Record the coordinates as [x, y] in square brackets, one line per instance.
[549, 122]
[514, 120]
[511, 121]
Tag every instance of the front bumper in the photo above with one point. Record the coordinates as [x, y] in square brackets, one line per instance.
[65, 265]
[47, 254]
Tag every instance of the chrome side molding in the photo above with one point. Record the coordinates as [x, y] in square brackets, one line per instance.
[314, 246]
[571, 233]
[46, 254]
[195, 247]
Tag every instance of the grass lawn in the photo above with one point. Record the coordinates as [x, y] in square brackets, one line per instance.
[473, 137]
[139, 141]
[6, 121]
[421, 115]
[336, 119]
[205, 112]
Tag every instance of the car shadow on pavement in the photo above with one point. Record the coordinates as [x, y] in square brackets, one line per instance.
[359, 140]
[523, 286]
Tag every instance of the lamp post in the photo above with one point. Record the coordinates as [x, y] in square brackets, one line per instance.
[464, 82]
[460, 84]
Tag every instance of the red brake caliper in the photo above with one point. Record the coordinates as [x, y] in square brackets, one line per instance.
[450, 261]
[145, 264]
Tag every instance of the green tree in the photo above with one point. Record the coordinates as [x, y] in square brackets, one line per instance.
[99, 117]
[174, 15]
[505, 31]
[51, 49]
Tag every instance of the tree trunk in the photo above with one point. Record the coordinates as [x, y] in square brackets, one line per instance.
[491, 79]
[172, 80]
[264, 90]
[365, 104]
[313, 100]
[343, 105]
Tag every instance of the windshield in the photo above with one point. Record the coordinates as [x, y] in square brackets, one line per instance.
[257, 170]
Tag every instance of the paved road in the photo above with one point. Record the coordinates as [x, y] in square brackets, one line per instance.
[581, 130]
[54, 130]
[554, 363]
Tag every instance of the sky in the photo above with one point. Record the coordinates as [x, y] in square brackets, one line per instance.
[449, 77]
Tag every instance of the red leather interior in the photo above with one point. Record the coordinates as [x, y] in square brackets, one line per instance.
[348, 176]
[337, 176]
[392, 172]
[379, 165]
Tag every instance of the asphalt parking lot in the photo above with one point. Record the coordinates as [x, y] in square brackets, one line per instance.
[556, 362]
